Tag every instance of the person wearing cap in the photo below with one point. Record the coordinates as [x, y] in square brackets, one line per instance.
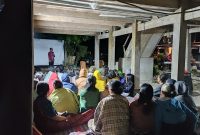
[112, 113]
[184, 97]
[142, 112]
[172, 117]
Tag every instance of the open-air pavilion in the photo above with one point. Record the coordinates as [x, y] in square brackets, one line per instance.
[148, 21]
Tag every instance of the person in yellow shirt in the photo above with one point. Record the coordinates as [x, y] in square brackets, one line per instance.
[100, 82]
[64, 100]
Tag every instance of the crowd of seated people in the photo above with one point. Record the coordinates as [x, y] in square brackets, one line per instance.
[99, 100]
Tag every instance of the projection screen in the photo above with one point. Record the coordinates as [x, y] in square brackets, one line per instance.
[41, 49]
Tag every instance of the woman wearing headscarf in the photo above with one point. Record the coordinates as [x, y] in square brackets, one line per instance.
[81, 81]
[66, 83]
[184, 97]
[100, 82]
[90, 96]
[142, 112]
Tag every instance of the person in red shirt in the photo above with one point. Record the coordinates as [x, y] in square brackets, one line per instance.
[51, 56]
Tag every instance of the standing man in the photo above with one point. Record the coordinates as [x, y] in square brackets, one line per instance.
[51, 56]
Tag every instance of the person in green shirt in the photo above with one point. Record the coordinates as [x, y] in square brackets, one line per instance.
[89, 96]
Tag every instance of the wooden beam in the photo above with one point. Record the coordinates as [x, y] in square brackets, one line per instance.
[103, 36]
[163, 21]
[159, 3]
[122, 31]
[194, 30]
[65, 32]
[189, 15]
[84, 13]
[76, 20]
[70, 26]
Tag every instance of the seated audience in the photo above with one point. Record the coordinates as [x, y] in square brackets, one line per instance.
[89, 96]
[66, 83]
[129, 85]
[112, 113]
[184, 97]
[100, 82]
[64, 100]
[91, 70]
[81, 81]
[170, 81]
[173, 117]
[142, 112]
[46, 118]
[161, 80]
[112, 75]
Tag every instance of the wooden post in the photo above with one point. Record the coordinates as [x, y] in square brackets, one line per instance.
[111, 50]
[136, 53]
[188, 52]
[179, 45]
[97, 44]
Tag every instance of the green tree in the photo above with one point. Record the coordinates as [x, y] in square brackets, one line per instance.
[73, 47]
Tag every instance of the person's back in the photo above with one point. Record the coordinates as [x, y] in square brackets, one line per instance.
[81, 81]
[112, 113]
[115, 115]
[142, 112]
[64, 100]
[172, 114]
[66, 83]
[89, 98]
[184, 97]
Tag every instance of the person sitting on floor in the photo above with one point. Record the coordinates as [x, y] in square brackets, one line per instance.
[161, 80]
[64, 100]
[173, 117]
[112, 113]
[66, 83]
[112, 75]
[89, 96]
[129, 85]
[142, 112]
[184, 97]
[81, 81]
[46, 117]
[100, 82]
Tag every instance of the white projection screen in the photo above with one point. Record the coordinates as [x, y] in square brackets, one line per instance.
[41, 49]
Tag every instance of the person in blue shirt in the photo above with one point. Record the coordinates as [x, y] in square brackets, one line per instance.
[173, 117]
[184, 97]
[66, 83]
